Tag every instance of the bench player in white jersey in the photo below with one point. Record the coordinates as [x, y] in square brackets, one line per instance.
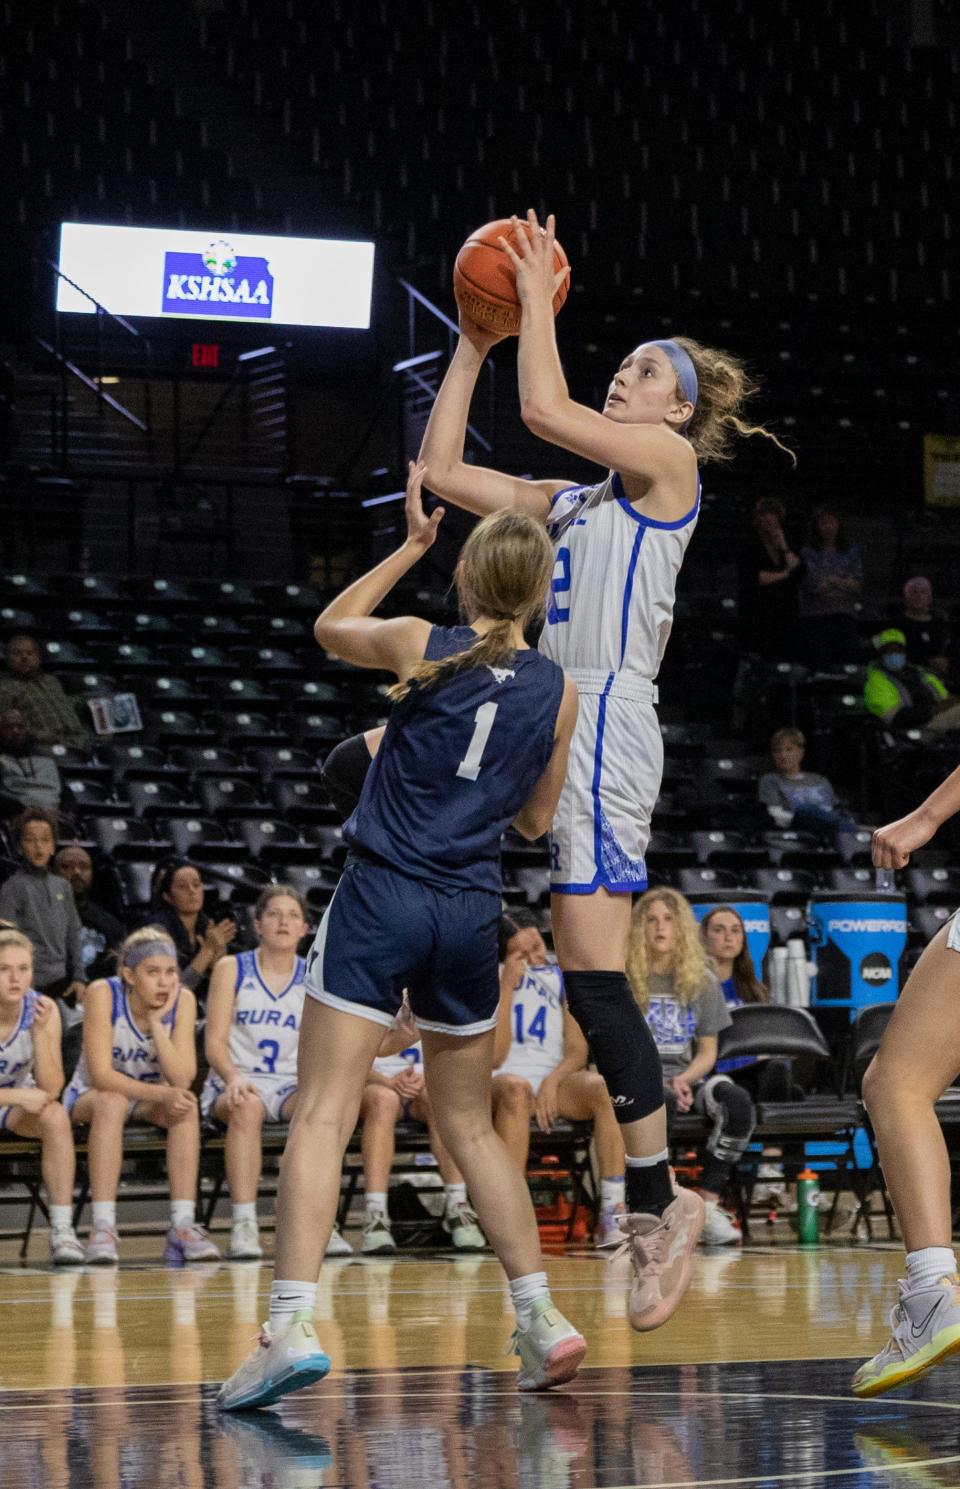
[31, 1079]
[540, 1059]
[251, 1038]
[619, 544]
[396, 1088]
[139, 1061]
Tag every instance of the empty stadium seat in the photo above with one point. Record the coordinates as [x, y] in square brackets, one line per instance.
[159, 798]
[784, 886]
[225, 796]
[272, 841]
[934, 886]
[202, 837]
[127, 837]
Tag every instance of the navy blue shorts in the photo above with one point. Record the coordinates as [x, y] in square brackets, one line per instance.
[383, 932]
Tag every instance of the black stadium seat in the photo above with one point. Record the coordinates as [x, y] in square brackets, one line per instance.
[226, 797]
[272, 841]
[707, 881]
[201, 837]
[127, 837]
[784, 886]
[160, 798]
[273, 763]
[934, 886]
[301, 801]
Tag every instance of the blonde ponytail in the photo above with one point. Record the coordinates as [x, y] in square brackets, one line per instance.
[504, 576]
[724, 388]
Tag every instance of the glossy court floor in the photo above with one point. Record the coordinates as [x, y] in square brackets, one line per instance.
[108, 1379]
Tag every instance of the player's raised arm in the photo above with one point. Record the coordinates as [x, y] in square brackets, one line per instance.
[536, 814]
[471, 486]
[656, 452]
[347, 628]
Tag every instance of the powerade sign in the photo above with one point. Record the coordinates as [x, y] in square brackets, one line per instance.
[206, 275]
[220, 281]
[858, 946]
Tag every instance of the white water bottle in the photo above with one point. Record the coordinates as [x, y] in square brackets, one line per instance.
[798, 974]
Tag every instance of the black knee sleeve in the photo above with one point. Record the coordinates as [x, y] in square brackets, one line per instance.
[733, 1116]
[619, 1036]
[344, 772]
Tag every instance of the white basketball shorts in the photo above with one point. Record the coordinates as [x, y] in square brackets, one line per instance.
[601, 829]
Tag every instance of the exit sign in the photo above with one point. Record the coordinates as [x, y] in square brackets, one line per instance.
[205, 353]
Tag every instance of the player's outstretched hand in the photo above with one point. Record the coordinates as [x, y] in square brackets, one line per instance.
[421, 529]
[893, 844]
[537, 280]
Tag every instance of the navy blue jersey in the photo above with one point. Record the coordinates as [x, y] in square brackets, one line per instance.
[457, 762]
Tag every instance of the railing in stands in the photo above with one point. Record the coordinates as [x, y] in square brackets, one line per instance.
[420, 374]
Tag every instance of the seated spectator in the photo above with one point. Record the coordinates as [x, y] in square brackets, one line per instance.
[830, 585]
[725, 940]
[682, 1002]
[800, 799]
[178, 908]
[31, 1079]
[540, 1058]
[138, 1064]
[903, 696]
[41, 905]
[769, 574]
[100, 932]
[28, 772]
[396, 1088]
[50, 716]
[252, 1032]
[927, 636]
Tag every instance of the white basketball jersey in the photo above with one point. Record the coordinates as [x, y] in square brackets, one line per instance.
[266, 1026]
[16, 1054]
[134, 1050]
[611, 598]
[536, 1023]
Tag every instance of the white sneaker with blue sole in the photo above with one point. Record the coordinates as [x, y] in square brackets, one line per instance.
[279, 1364]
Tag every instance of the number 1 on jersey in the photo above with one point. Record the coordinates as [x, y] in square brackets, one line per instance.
[469, 767]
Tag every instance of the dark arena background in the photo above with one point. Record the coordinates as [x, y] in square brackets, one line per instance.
[226, 307]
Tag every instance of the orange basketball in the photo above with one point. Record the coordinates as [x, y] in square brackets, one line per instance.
[484, 281]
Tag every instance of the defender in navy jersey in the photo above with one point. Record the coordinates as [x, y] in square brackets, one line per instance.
[478, 738]
[620, 540]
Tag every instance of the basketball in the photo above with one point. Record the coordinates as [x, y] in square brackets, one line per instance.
[484, 282]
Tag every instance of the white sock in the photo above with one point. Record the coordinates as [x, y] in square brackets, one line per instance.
[525, 1291]
[650, 1161]
[104, 1214]
[183, 1212]
[288, 1298]
[926, 1267]
[456, 1195]
[376, 1203]
[61, 1217]
[245, 1212]
[611, 1193]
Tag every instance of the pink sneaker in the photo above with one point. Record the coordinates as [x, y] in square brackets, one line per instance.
[661, 1251]
[102, 1247]
[189, 1244]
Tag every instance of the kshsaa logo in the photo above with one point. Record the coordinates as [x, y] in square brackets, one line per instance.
[218, 281]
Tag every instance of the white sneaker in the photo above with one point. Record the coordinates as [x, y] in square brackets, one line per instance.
[65, 1248]
[102, 1247]
[277, 1366]
[719, 1229]
[377, 1235]
[608, 1232]
[338, 1245]
[924, 1329]
[463, 1228]
[550, 1348]
[245, 1241]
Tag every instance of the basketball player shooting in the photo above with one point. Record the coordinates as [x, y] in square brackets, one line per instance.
[671, 405]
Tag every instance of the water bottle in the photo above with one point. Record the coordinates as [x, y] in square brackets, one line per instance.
[808, 1208]
[777, 973]
[798, 974]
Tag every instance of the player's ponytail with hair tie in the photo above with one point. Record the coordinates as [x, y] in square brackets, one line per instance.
[503, 576]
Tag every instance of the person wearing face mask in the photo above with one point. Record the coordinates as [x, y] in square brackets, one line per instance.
[904, 696]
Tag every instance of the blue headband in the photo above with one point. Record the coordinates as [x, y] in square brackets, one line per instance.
[143, 949]
[682, 366]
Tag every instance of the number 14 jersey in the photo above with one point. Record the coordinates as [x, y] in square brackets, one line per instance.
[456, 764]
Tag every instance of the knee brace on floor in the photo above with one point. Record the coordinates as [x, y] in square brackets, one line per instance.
[619, 1036]
[733, 1116]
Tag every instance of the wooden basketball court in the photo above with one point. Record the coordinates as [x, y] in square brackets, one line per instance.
[109, 1379]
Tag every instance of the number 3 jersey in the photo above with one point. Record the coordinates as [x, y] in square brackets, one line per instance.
[265, 1031]
[536, 1025]
[456, 764]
